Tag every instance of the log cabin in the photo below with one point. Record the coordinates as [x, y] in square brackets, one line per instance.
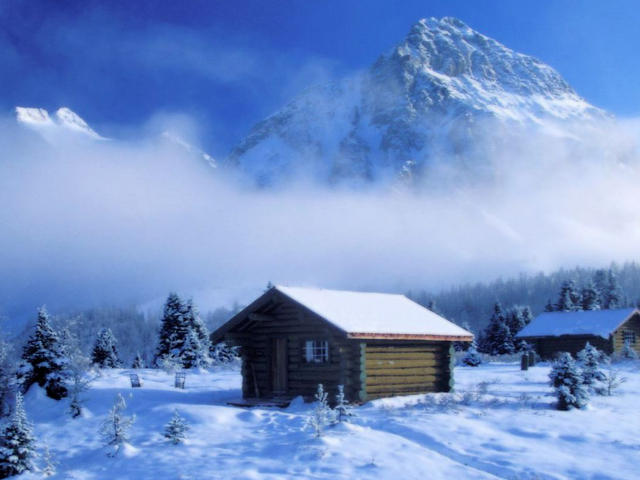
[607, 330]
[374, 344]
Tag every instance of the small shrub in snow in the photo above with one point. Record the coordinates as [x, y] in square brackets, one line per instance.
[115, 429]
[589, 358]
[17, 446]
[49, 467]
[472, 358]
[176, 430]
[321, 414]
[612, 380]
[568, 382]
[343, 409]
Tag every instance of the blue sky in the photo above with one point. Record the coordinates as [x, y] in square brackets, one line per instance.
[228, 64]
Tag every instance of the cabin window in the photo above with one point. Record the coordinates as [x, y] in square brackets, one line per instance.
[316, 351]
[629, 336]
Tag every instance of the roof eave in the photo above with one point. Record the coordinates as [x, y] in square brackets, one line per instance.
[409, 336]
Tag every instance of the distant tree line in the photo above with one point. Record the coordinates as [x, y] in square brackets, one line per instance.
[473, 304]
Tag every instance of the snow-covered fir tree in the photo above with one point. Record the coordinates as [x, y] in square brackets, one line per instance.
[342, 409]
[173, 330]
[569, 298]
[515, 319]
[628, 352]
[44, 359]
[590, 358]
[613, 293]
[49, 467]
[7, 376]
[549, 307]
[320, 416]
[196, 326]
[472, 358]
[566, 378]
[497, 339]
[105, 352]
[193, 355]
[590, 297]
[17, 445]
[222, 353]
[138, 362]
[183, 331]
[114, 431]
[176, 430]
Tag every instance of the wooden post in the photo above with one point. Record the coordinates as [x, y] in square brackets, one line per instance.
[255, 380]
[532, 358]
[524, 362]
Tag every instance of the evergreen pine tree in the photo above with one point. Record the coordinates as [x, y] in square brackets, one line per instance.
[194, 324]
[515, 320]
[497, 338]
[600, 285]
[589, 358]
[105, 353]
[614, 295]
[569, 299]
[6, 379]
[17, 445]
[472, 358]
[628, 352]
[115, 429]
[222, 353]
[176, 430]
[138, 362]
[567, 380]
[342, 410]
[173, 330]
[193, 355]
[45, 357]
[549, 307]
[527, 316]
[590, 297]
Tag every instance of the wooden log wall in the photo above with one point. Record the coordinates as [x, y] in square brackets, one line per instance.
[405, 367]
[632, 324]
[297, 325]
[549, 347]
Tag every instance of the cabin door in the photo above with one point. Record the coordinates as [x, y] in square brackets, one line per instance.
[279, 366]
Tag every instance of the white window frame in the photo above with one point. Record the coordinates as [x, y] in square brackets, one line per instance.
[316, 351]
[629, 336]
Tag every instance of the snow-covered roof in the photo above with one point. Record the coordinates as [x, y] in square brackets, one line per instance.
[368, 315]
[593, 322]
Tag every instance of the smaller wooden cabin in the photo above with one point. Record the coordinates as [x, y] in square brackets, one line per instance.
[607, 330]
[376, 345]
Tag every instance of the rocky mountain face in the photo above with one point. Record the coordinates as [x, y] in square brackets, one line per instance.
[433, 98]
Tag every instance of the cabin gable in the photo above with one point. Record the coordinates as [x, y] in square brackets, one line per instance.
[628, 331]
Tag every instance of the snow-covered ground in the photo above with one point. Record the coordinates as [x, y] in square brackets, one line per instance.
[500, 423]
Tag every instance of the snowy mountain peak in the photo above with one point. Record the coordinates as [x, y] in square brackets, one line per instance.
[426, 99]
[63, 121]
[71, 120]
[33, 116]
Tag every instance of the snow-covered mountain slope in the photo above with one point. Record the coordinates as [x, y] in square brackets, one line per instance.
[66, 126]
[432, 96]
[64, 121]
